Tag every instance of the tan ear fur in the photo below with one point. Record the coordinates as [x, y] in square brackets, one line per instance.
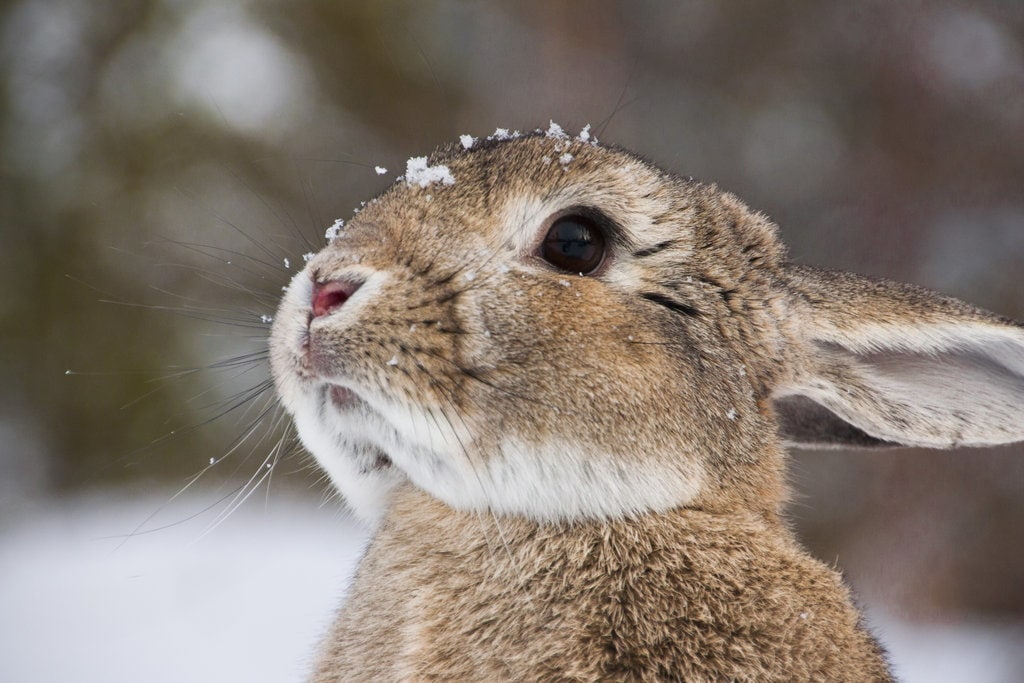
[879, 363]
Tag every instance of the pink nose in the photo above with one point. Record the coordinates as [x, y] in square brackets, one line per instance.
[328, 296]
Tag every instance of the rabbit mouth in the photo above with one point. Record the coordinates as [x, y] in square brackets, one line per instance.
[381, 463]
[342, 397]
[345, 400]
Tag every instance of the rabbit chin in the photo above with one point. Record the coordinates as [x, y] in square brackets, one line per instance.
[359, 470]
[368, 458]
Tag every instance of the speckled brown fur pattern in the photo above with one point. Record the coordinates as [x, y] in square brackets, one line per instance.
[581, 477]
[687, 596]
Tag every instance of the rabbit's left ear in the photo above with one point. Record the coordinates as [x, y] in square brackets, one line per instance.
[878, 363]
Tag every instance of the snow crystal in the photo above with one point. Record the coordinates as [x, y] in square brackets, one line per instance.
[564, 283]
[565, 159]
[546, 160]
[504, 134]
[584, 135]
[412, 328]
[380, 170]
[213, 461]
[731, 414]
[555, 131]
[267, 319]
[418, 173]
[487, 334]
[467, 141]
[287, 263]
[308, 256]
[334, 230]
[393, 361]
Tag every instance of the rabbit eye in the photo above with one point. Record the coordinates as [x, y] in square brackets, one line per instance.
[575, 244]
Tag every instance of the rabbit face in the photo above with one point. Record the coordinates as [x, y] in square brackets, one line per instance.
[543, 327]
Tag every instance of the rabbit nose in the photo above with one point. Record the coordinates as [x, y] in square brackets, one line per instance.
[327, 296]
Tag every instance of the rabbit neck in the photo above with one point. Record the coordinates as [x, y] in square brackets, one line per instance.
[466, 596]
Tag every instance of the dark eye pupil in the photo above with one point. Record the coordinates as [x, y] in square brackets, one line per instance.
[574, 243]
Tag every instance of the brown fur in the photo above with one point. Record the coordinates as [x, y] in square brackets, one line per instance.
[691, 595]
[592, 482]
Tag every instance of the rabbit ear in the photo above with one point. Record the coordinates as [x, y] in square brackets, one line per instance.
[878, 363]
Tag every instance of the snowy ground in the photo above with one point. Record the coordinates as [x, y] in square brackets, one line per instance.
[248, 600]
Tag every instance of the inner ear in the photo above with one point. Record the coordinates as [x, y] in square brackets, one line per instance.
[874, 363]
[966, 392]
[806, 424]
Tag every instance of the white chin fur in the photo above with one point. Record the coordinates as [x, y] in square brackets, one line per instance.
[347, 460]
[559, 482]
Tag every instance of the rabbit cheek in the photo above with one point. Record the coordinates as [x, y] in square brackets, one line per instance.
[559, 389]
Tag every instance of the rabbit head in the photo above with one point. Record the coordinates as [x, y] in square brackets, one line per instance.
[546, 327]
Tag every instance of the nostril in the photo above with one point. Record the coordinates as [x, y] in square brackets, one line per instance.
[328, 296]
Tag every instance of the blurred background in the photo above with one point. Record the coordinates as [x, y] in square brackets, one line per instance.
[165, 164]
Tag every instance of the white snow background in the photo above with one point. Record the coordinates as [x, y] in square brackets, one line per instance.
[245, 601]
[249, 599]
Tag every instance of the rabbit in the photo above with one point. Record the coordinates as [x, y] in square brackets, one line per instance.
[557, 382]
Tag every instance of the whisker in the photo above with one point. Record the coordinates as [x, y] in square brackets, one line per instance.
[272, 209]
[139, 530]
[224, 221]
[262, 473]
[214, 252]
